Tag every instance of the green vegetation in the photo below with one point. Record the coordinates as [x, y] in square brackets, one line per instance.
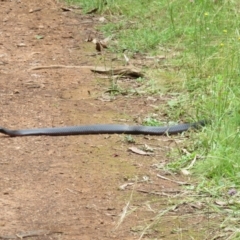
[202, 74]
[129, 139]
[205, 37]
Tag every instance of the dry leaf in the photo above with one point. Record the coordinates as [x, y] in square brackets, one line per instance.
[66, 9]
[126, 59]
[102, 19]
[94, 40]
[171, 180]
[197, 205]
[107, 39]
[123, 187]
[34, 10]
[139, 151]
[148, 148]
[185, 172]
[103, 44]
[221, 203]
[21, 45]
[124, 71]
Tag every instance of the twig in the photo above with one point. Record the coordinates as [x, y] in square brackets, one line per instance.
[128, 70]
[73, 191]
[58, 66]
[125, 209]
[191, 164]
[156, 219]
[168, 179]
[29, 234]
[159, 193]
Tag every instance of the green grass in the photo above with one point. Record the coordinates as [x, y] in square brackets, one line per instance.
[205, 34]
[204, 75]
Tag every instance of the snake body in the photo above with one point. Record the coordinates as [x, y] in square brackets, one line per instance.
[103, 129]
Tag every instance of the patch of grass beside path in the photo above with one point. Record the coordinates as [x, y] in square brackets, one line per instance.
[204, 74]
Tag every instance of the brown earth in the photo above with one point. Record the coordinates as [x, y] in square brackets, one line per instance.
[69, 187]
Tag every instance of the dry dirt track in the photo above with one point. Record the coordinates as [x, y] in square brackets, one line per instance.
[67, 187]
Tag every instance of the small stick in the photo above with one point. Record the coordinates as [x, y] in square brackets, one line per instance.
[58, 66]
[192, 163]
[29, 234]
[168, 179]
[159, 193]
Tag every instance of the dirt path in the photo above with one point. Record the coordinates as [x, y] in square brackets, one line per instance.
[68, 187]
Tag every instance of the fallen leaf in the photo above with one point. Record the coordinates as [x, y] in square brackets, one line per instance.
[124, 71]
[126, 59]
[185, 172]
[103, 44]
[94, 40]
[148, 148]
[221, 203]
[197, 205]
[66, 9]
[34, 10]
[39, 37]
[123, 187]
[102, 19]
[168, 179]
[139, 151]
[21, 45]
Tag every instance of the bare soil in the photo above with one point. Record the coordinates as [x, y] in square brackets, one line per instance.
[70, 187]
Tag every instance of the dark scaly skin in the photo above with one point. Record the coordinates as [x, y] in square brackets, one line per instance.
[103, 129]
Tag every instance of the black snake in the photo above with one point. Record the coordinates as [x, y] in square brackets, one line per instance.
[103, 129]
